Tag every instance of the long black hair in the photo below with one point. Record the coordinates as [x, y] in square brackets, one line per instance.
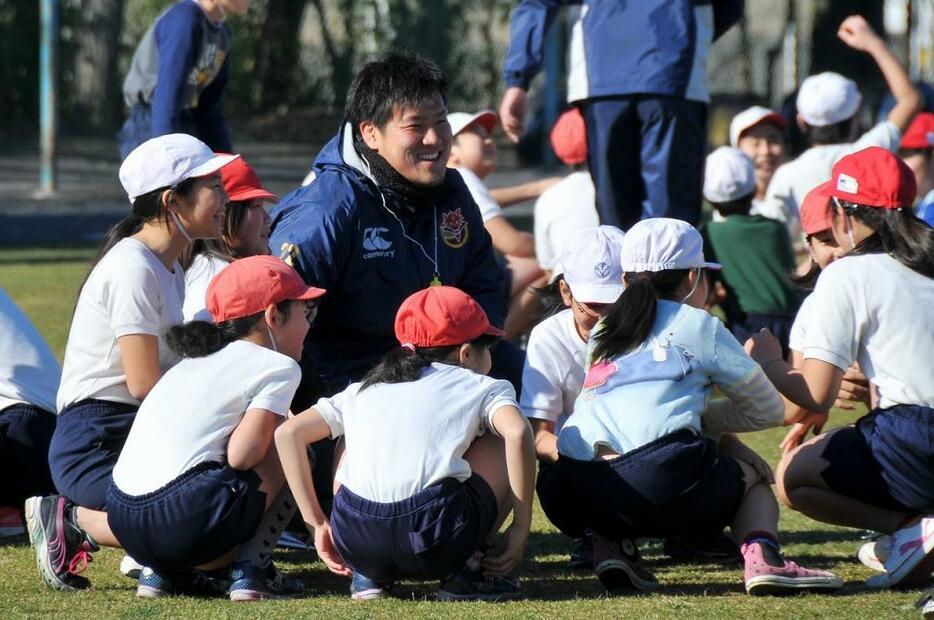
[631, 317]
[897, 232]
[402, 365]
[549, 297]
[220, 248]
[201, 338]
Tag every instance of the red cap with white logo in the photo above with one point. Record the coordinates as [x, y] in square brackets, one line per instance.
[873, 177]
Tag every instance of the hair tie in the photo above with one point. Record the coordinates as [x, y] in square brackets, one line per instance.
[408, 346]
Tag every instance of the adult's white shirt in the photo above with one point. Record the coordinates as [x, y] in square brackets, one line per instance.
[197, 278]
[29, 372]
[874, 310]
[189, 415]
[564, 208]
[128, 292]
[401, 438]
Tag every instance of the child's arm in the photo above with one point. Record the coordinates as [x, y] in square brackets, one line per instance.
[508, 196]
[508, 240]
[511, 425]
[140, 356]
[856, 32]
[250, 441]
[546, 442]
[292, 441]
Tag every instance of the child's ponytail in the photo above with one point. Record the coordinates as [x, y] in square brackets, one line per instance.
[405, 363]
[549, 297]
[897, 232]
[631, 317]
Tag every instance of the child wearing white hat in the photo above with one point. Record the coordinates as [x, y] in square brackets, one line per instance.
[827, 106]
[760, 133]
[754, 250]
[116, 348]
[633, 461]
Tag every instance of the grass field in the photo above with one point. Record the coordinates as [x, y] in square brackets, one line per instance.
[44, 283]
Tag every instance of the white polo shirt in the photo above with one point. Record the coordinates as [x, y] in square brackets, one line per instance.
[188, 417]
[29, 372]
[129, 292]
[403, 437]
[564, 208]
[489, 208]
[202, 270]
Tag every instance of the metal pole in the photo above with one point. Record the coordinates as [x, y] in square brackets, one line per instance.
[48, 97]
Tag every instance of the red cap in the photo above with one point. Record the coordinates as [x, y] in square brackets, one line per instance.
[569, 137]
[247, 286]
[441, 316]
[873, 177]
[814, 211]
[241, 182]
[920, 134]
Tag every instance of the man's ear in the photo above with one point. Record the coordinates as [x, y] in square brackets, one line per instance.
[371, 135]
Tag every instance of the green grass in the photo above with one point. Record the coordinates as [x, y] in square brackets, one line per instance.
[44, 282]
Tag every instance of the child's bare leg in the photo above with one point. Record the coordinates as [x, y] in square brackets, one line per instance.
[802, 488]
[94, 522]
[487, 458]
[758, 512]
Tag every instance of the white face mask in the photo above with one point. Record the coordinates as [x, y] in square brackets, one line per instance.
[272, 339]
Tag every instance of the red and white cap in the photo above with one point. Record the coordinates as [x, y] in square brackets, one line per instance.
[827, 98]
[569, 137]
[660, 244]
[873, 177]
[441, 316]
[814, 211]
[920, 134]
[460, 121]
[241, 183]
[247, 286]
[750, 117]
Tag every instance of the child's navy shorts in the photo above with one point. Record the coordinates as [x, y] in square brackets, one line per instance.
[88, 439]
[427, 536]
[677, 485]
[192, 520]
[25, 433]
[886, 459]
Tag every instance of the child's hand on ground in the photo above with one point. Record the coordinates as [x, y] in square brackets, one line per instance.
[856, 32]
[324, 546]
[506, 553]
[854, 388]
[763, 347]
[799, 431]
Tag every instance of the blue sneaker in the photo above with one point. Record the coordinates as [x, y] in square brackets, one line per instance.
[254, 583]
[362, 588]
[193, 583]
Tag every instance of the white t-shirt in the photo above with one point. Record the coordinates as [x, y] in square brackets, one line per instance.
[403, 437]
[560, 211]
[874, 310]
[29, 372]
[793, 180]
[554, 369]
[188, 417]
[489, 208]
[203, 268]
[797, 337]
[129, 292]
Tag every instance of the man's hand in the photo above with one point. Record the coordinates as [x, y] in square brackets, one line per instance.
[856, 32]
[512, 112]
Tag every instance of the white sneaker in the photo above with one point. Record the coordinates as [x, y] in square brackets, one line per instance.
[130, 567]
[926, 605]
[909, 556]
[874, 553]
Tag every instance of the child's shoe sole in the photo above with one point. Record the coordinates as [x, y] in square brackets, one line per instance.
[773, 585]
[619, 576]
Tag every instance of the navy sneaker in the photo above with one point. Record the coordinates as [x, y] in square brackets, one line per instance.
[193, 583]
[719, 549]
[255, 583]
[362, 588]
[469, 584]
[582, 552]
[62, 548]
[619, 566]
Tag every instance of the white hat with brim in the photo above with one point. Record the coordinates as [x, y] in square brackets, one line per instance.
[166, 161]
[660, 244]
[750, 117]
[728, 175]
[827, 98]
[460, 121]
[590, 264]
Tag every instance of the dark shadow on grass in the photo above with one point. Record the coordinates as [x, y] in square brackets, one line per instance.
[817, 537]
[14, 541]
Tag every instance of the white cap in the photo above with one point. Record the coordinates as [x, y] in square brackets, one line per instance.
[828, 98]
[459, 121]
[590, 263]
[660, 244]
[750, 117]
[728, 175]
[166, 161]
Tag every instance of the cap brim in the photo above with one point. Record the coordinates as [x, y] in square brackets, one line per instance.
[310, 293]
[211, 166]
[493, 331]
[596, 293]
[253, 194]
[825, 189]
[714, 266]
[487, 118]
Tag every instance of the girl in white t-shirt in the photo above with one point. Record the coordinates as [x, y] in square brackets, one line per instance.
[871, 306]
[116, 347]
[198, 471]
[246, 233]
[436, 455]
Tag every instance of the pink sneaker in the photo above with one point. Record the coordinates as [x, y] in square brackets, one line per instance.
[763, 578]
[11, 522]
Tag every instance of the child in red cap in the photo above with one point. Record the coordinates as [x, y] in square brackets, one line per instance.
[245, 233]
[917, 150]
[436, 455]
[197, 495]
[878, 473]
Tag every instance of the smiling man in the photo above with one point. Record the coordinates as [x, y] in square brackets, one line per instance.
[382, 218]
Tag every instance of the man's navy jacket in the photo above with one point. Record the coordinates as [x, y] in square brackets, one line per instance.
[345, 233]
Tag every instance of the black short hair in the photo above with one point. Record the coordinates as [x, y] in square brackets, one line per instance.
[398, 79]
[836, 133]
[926, 152]
[739, 206]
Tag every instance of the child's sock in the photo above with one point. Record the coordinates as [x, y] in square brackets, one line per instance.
[73, 517]
[258, 550]
[771, 552]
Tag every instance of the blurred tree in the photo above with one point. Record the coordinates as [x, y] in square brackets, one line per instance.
[96, 93]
